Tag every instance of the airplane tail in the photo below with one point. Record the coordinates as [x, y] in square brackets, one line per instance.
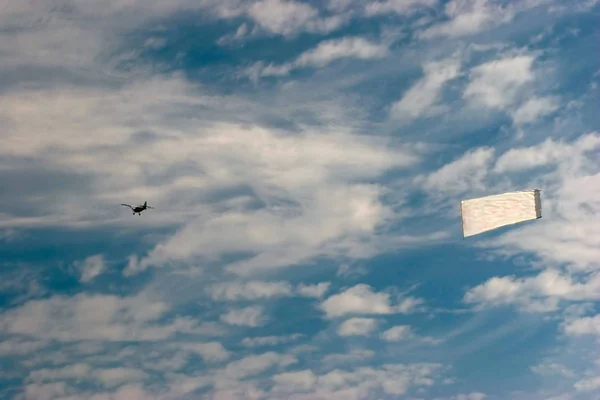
[145, 203]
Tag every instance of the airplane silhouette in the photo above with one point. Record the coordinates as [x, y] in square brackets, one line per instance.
[138, 210]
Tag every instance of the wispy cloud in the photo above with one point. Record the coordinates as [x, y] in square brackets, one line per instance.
[497, 84]
[463, 174]
[249, 290]
[533, 109]
[91, 267]
[421, 98]
[467, 17]
[323, 54]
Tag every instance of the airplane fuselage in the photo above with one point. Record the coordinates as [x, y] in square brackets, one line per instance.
[138, 209]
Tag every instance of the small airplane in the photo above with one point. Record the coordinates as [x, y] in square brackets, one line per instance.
[138, 210]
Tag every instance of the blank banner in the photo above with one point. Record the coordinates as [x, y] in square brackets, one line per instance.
[492, 212]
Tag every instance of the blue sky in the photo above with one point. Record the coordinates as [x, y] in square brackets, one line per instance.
[306, 161]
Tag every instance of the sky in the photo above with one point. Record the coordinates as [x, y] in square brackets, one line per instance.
[306, 161]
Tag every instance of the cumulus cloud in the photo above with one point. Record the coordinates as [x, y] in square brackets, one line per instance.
[391, 379]
[397, 333]
[107, 377]
[91, 267]
[255, 364]
[296, 381]
[401, 7]
[588, 385]
[210, 351]
[540, 293]
[570, 192]
[567, 242]
[467, 17]
[421, 98]
[252, 316]
[404, 332]
[317, 291]
[289, 17]
[497, 84]
[316, 165]
[357, 327]
[94, 317]
[547, 153]
[361, 299]
[467, 173]
[583, 326]
[533, 109]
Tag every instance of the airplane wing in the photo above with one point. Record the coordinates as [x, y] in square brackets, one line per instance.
[127, 205]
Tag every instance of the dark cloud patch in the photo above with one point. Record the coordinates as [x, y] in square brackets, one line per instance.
[39, 77]
[31, 188]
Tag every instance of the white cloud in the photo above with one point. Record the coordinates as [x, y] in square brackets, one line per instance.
[357, 327]
[332, 213]
[550, 369]
[469, 396]
[289, 17]
[296, 381]
[113, 377]
[568, 233]
[108, 377]
[252, 290]
[583, 326]
[75, 371]
[397, 333]
[405, 332]
[390, 379]
[548, 152]
[20, 346]
[540, 293]
[361, 299]
[313, 181]
[250, 316]
[270, 340]
[317, 291]
[401, 7]
[464, 174]
[93, 317]
[210, 352]
[467, 17]
[534, 109]
[48, 391]
[335, 49]
[256, 364]
[256, 290]
[356, 356]
[421, 98]
[588, 385]
[91, 267]
[324, 54]
[498, 83]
